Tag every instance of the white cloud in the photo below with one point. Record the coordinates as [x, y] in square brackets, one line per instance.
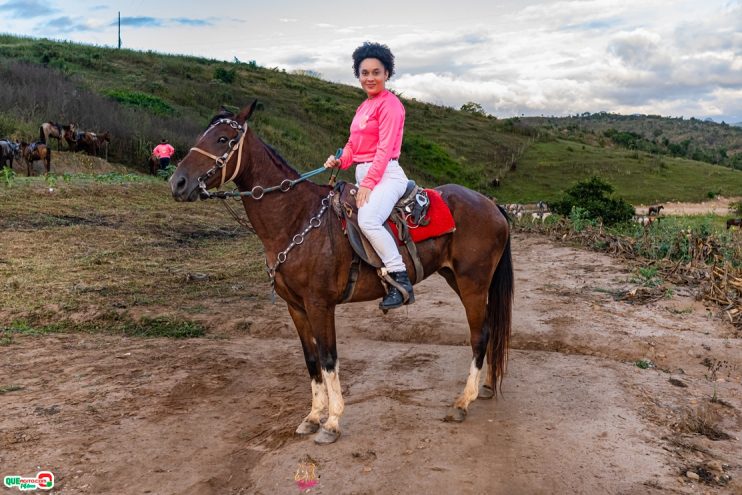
[512, 56]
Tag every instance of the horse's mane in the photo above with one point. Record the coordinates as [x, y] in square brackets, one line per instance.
[281, 161]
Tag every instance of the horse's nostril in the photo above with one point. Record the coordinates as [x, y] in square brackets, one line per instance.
[180, 185]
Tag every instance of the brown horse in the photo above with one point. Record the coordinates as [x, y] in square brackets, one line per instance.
[90, 142]
[475, 259]
[736, 222]
[36, 151]
[54, 130]
[153, 163]
[655, 210]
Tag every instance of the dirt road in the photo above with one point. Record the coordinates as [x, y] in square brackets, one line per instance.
[111, 415]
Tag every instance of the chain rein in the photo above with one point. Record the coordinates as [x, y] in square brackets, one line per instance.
[298, 239]
[257, 193]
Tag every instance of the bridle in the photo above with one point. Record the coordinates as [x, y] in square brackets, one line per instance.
[257, 192]
[220, 162]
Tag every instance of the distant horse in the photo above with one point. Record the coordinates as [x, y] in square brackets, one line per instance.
[54, 130]
[8, 151]
[737, 222]
[36, 151]
[90, 142]
[153, 163]
[655, 210]
[474, 259]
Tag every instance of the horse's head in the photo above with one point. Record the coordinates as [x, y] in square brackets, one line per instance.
[213, 158]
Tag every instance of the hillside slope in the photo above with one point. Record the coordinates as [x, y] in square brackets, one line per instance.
[141, 97]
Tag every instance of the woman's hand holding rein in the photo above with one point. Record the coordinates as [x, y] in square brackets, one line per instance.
[332, 162]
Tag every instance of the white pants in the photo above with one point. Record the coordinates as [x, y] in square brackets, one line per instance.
[373, 215]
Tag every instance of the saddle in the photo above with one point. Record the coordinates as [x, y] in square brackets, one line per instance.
[412, 208]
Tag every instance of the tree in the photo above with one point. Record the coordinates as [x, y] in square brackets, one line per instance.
[473, 108]
[592, 196]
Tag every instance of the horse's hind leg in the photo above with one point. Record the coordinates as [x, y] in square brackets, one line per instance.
[473, 293]
[311, 422]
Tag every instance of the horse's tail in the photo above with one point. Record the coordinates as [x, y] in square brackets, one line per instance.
[42, 137]
[499, 315]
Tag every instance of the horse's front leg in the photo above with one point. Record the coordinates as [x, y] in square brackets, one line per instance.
[311, 422]
[322, 320]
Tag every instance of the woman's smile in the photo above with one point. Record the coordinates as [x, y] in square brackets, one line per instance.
[372, 75]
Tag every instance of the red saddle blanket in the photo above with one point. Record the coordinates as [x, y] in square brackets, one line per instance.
[439, 216]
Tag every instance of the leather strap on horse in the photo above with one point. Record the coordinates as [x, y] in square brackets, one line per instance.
[387, 280]
[404, 236]
[223, 160]
[355, 268]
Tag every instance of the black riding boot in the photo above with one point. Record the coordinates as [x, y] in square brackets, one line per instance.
[394, 297]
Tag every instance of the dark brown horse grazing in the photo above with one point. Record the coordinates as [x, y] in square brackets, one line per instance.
[36, 151]
[90, 142]
[736, 222]
[475, 259]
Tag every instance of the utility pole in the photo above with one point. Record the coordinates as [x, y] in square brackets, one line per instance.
[119, 30]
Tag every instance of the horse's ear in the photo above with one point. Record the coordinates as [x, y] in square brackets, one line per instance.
[246, 112]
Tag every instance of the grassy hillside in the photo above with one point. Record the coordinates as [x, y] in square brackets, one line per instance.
[142, 96]
[673, 136]
[638, 177]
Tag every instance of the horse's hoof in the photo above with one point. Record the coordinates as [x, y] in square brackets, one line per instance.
[455, 415]
[326, 436]
[485, 392]
[307, 427]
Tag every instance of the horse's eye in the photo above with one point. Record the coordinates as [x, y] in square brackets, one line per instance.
[223, 139]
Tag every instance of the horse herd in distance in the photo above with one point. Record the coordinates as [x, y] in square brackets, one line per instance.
[74, 140]
[540, 211]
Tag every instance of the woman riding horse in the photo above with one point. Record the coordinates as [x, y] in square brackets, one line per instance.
[374, 146]
[309, 259]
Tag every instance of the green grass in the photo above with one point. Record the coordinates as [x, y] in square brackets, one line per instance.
[306, 119]
[548, 167]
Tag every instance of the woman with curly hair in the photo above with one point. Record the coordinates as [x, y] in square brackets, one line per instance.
[374, 146]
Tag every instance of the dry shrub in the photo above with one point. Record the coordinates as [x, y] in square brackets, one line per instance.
[703, 420]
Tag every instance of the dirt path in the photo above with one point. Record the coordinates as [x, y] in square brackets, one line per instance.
[717, 206]
[119, 416]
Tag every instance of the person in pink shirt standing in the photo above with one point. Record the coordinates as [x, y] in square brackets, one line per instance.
[163, 152]
[374, 146]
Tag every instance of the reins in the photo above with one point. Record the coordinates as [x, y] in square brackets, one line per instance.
[257, 192]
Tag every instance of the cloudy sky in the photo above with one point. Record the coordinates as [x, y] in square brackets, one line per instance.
[673, 58]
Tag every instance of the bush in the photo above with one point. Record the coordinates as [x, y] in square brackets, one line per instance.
[143, 100]
[592, 198]
[225, 75]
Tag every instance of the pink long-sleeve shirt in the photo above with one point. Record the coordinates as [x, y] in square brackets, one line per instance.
[375, 136]
[163, 150]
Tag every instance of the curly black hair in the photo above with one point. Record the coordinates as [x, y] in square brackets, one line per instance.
[373, 50]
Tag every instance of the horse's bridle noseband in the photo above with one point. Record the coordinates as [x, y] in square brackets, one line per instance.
[234, 144]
